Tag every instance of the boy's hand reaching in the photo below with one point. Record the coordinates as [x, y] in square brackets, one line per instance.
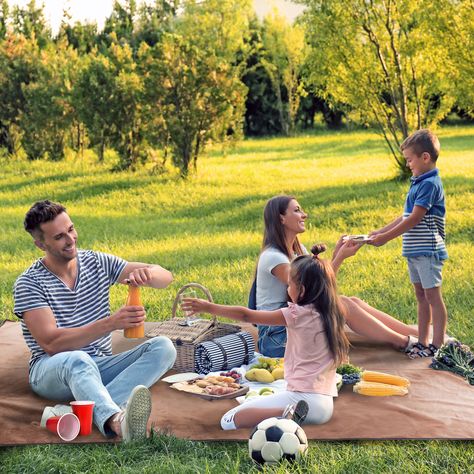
[193, 306]
[378, 239]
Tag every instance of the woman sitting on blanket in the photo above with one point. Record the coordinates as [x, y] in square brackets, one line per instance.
[316, 345]
[284, 220]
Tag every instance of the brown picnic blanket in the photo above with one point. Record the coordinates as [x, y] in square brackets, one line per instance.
[439, 405]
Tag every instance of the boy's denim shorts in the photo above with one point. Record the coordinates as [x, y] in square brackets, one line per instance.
[425, 270]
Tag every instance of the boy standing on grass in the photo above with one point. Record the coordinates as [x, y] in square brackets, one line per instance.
[422, 226]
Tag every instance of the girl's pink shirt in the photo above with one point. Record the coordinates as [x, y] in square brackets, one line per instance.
[309, 365]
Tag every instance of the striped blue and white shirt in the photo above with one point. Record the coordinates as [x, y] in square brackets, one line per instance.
[428, 237]
[87, 302]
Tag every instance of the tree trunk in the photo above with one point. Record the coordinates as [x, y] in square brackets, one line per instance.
[102, 147]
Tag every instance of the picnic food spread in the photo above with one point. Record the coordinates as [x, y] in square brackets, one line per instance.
[212, 385]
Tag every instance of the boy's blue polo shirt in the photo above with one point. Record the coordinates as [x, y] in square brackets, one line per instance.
[428, 237]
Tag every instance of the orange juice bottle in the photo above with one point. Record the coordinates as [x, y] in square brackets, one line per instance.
[133, 299]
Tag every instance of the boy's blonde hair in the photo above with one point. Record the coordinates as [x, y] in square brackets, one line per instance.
[422, 141]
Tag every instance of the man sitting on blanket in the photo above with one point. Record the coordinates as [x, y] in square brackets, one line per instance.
[63, 301]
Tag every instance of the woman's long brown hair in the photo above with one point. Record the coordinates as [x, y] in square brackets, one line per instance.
[317, 284]
[274, 233]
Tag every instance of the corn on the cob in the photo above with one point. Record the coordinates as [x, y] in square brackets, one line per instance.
[372, 376]
[376, 389]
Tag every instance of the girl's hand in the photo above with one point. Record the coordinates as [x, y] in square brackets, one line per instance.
[195, 306]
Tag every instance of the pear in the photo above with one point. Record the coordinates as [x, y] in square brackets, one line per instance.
[278, 373]
[251, 375]
[263, 376]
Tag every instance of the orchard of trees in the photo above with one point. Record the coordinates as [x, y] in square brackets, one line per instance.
[170, 76]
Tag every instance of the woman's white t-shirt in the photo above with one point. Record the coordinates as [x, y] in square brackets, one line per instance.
[271, 292]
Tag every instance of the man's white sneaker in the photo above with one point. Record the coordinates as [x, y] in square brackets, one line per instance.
[136, 414]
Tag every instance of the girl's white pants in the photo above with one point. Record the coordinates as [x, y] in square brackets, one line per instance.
[320, 406]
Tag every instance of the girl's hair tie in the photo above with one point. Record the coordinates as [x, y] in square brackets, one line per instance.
[317, 249]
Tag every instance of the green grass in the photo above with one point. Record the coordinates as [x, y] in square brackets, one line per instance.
[209, 229]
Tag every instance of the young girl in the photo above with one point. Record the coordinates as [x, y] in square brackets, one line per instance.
[316, 345]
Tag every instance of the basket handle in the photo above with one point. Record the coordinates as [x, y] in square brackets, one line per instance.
[184, 288]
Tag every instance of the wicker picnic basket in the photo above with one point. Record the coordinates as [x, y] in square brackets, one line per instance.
[186, 338]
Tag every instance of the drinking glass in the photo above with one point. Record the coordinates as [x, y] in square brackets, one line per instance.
[190, 319]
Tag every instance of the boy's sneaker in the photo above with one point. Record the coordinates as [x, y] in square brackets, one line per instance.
[296, 412]
[134, 418]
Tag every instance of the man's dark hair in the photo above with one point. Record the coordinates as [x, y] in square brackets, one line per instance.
[422, 141]
[39, 213]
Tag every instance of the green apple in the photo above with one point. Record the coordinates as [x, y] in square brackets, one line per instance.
[252, 393]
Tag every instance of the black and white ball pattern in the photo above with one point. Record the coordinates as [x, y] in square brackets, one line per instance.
[276, 439]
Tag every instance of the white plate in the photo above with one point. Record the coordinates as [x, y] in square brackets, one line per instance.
[181, 377]
[358, 238]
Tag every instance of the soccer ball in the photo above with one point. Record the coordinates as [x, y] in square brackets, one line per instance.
[275, 439]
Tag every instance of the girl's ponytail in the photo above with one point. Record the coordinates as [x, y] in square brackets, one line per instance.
[316, 249]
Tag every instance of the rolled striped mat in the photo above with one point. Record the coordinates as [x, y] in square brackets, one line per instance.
[224, 353]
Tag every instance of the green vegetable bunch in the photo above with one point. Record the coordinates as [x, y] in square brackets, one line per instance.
[347, 369]
[457, 358]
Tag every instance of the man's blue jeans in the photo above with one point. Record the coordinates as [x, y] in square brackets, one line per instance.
[108, 380]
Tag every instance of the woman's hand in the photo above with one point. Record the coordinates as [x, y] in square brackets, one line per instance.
[349, 248]
[339, 244]
[195, 306]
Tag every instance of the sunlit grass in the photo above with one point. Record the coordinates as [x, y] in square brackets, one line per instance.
[209, 229]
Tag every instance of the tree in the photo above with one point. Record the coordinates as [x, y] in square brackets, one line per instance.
[261, 114]
[285, 52]
[153, 20]
[93, 93]
[127, 107]
[455, 33]
[4, 10]
[81, 36]
[30, 22]
[120, 24]
[379, 58]
[48, 114]
[20, 66]
[197, 95]
[108, 97]
[193, 78]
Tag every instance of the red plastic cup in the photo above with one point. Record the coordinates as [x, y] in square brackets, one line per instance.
[66, 426]
[84, 410]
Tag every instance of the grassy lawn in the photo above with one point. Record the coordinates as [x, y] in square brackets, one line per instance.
[209, 230]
